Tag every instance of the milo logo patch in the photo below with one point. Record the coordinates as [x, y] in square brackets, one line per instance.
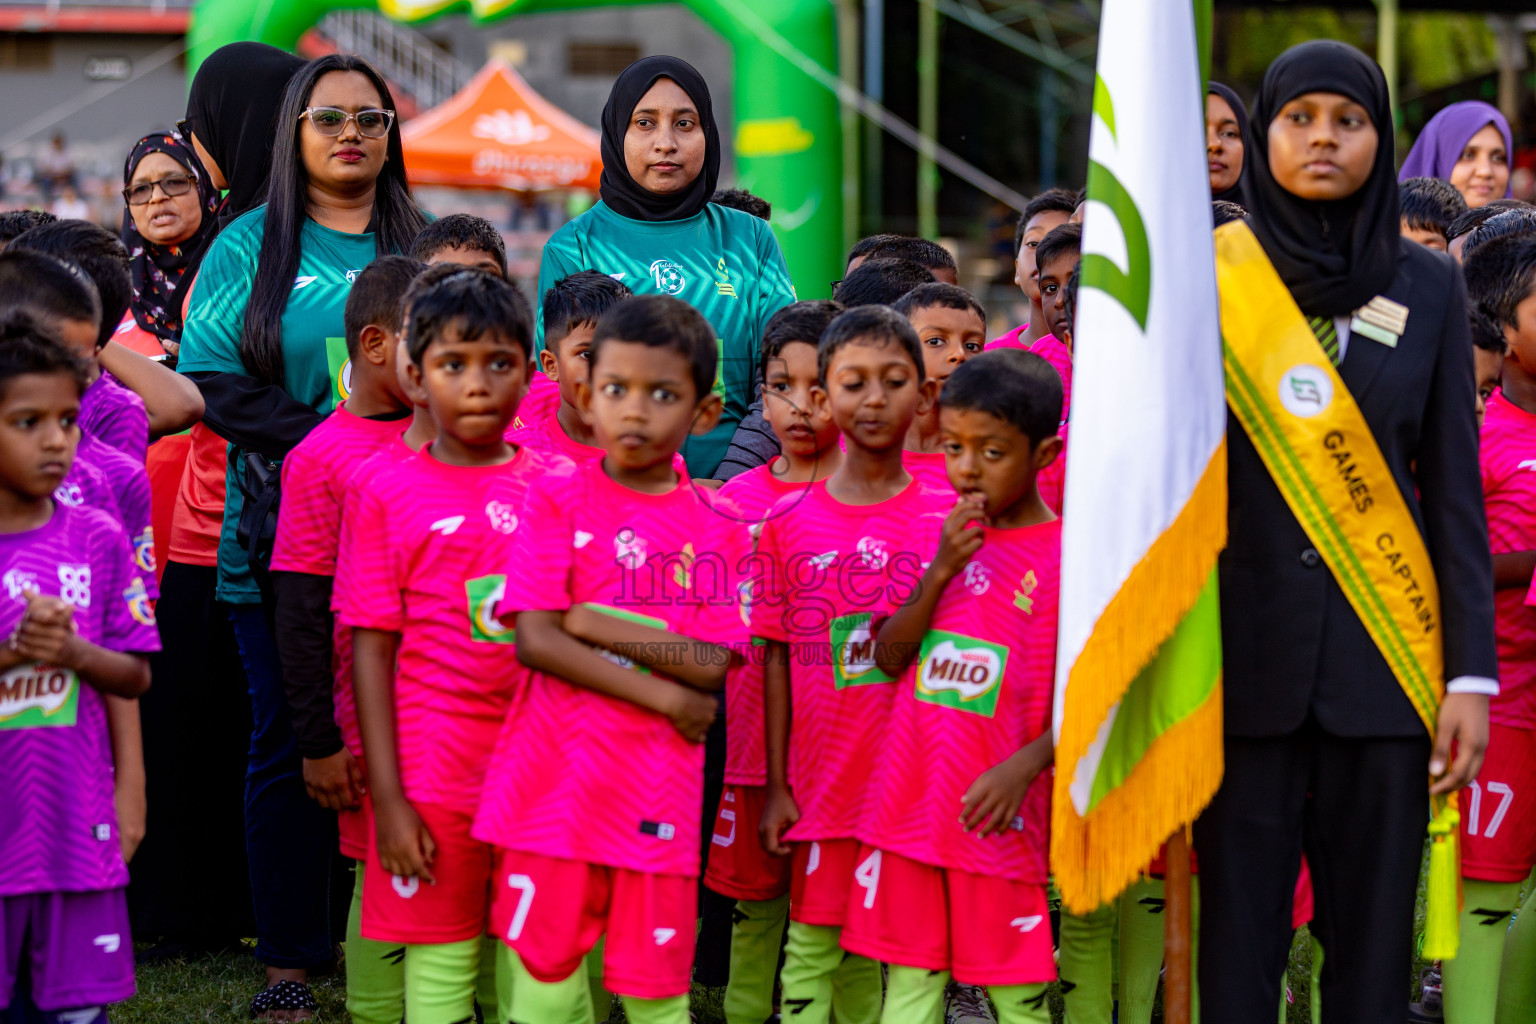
[484, 594]
[961, 672]
[36, 694]
[853, 651]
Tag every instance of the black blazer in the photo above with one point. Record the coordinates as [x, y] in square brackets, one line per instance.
[1291, 641]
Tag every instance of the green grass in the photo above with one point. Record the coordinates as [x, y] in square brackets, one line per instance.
[217, 989]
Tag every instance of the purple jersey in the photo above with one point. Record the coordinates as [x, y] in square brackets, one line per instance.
[110, 412]
[56, 807]
[85, 486]
[130, 488]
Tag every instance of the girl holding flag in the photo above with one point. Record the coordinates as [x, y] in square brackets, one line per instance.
[1357, 664]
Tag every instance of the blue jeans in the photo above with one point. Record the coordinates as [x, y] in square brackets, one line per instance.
[288, 837]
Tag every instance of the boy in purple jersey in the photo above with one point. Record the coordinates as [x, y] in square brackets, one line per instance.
[79, 624]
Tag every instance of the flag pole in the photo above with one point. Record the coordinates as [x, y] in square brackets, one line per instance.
[1179, 980]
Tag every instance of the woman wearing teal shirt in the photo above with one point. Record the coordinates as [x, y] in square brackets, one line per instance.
[656, 230]
[261, 340]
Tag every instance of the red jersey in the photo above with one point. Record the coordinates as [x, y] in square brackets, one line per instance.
[576, 774]
[1508, 458]
[318, 475]
[749, 496]
[829, 570]
[980, 689]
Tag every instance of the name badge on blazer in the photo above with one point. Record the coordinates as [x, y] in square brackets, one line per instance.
[1381, 320]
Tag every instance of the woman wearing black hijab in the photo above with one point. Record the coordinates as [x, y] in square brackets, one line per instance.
[1226, 140]
[1324, 751]
[657, 232]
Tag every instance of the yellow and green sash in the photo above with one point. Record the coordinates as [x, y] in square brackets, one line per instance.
[1317, 446]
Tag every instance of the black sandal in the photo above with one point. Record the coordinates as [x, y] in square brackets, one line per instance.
[285, 995]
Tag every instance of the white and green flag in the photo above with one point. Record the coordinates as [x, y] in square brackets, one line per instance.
[1138, 678]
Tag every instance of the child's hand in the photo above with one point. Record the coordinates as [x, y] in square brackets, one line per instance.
[691, 713]
[406, 847]
[994, 798]
[46, 631]
[960, 539]
[779, 812]
[336, 782]
[132, 814]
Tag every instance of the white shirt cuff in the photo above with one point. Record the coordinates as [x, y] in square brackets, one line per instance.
[1473, 684]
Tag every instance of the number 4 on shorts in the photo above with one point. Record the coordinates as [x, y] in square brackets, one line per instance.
[867, 875]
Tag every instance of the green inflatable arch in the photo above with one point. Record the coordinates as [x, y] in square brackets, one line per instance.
[788, 135]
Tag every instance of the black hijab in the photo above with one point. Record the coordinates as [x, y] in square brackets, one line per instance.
[1240, 112]
[1334, 257]
[231, 108]
[622, 193]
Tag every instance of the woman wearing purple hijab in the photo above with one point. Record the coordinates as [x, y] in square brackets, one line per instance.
[1467, 144]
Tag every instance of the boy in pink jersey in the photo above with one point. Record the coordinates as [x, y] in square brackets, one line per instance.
[1059, 254]
[594, 791]
[738, 867]
[1498, 813]
[1043, 212]
[950, 879]
[316, 653]
[79, 626]
[572, 307]
[435, 673]
[464, 240]
[951, 327]
[841, 559]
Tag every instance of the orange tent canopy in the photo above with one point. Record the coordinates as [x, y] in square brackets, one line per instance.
[497, 132]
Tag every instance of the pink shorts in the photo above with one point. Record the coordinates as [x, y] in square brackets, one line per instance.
[986, 931]
[739, 867]
[457, 907]
[821, 874]
[74, 947]
[551, 911]
[1498, 811]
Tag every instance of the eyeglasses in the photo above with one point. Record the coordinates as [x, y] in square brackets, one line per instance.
[371, 124]
[144, 191]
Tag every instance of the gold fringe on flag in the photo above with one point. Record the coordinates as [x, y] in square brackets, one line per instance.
[1095, 858]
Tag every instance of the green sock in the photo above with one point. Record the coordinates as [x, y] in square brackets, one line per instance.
[913, 995]
[531, 1001]
[440, 981]
[599, 997]
[1472, 979]
[1085, 964]
[1517, 976]
[857, 991]
[1315, 995]
[673, 1010]
[811, 958]
[757, 928]
[1020, 1004]
[488, 980]
[375, 970]
[1141, 949]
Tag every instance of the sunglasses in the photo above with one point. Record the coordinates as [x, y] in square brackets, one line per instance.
[332, 121]
[144, 191]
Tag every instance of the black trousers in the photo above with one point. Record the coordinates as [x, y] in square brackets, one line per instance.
[1359, 809]
[190, 881]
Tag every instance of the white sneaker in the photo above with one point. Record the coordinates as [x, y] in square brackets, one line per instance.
[967, 1004]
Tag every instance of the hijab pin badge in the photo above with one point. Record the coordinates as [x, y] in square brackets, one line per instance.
[1381, 320]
